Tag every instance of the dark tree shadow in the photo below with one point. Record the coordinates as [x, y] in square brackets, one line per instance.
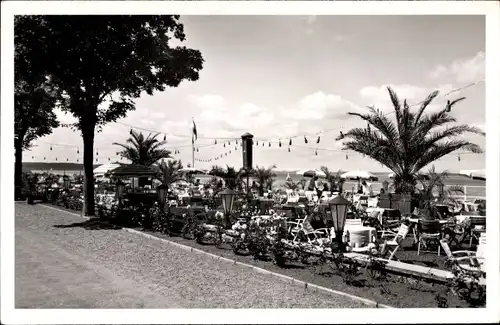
[91, 224]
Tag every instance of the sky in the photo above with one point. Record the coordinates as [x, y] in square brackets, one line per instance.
[288, 76]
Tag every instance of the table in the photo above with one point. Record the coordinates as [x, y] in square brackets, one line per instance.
[461, 218]
[359, 236]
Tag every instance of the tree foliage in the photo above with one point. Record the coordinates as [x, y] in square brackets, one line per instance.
[142, 150]
[102, 63]
[34, 101]
[411, 142]
[168, 171]
[265, 177]
[231, 176]
[333, 178]
[435, 191]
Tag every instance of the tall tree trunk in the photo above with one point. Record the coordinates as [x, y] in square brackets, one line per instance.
[18, 169]
[88, 168]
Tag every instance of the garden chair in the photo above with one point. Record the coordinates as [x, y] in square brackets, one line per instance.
[477, 227]
[389, 227]
[304, 227]
[469, 260]
[429, 231]
[393, 245]
[292, 197]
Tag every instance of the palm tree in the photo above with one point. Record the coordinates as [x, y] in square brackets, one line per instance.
[232, 177]
[336, 182]
[291, 185]
[168, 172]
[265, 177]
[434, 183]
[302, 183]
[411, 142]
[142, 150]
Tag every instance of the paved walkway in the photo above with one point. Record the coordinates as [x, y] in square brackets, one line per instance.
[73, 267]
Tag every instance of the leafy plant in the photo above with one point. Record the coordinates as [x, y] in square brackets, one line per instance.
[333, 178]
[141, 150]
[168, 172]
[265, 177]
[466, 286]
[411, 142]
[435, 182]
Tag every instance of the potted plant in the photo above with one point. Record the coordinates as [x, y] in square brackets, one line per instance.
[434, 192]
[30, 181]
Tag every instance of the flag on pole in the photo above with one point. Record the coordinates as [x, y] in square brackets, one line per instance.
[195, 132]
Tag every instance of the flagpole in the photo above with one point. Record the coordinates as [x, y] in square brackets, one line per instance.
[192, 147]
[192, 141]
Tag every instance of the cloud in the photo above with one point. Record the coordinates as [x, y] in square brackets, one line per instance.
[318, 106]
[463, 70]
[208, 101]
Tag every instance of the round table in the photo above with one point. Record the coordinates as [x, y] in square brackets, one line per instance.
[359, 236]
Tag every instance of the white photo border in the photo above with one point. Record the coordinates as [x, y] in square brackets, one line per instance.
[214, 316]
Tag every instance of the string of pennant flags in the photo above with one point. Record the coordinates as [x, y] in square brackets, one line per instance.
[231, 144]
[207, 156]
[305, 136]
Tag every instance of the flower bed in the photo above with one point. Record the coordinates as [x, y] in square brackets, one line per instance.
[260, 240]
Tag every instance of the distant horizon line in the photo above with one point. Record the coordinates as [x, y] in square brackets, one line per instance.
[285, 170]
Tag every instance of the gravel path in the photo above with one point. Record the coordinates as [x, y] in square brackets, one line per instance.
[74, 267]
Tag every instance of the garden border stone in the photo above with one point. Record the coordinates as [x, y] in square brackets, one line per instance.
[305, 285]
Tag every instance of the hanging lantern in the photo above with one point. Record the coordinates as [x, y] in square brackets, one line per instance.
[279, 143]
[109, 159]
[229, 151]
[78, 151]
[257, 142]
[262, 143]
[346, 157]
[290, 143]
[97, 152]
[236, 141]
[50, 147]
[197, 149]
[316, 152]
[164, 137]
[56, 158]
[121, 158]
[229, 142]
[131, 132]
[305, 139]
[341, 135]
[458, 156]
[224, 145]
[225, 153]
[448, 106]
[43, 158]
[97, 159]
[77, 160]
[288, 149]
[32, 157]
[67, 159]
[269, 144]
[317, 141]
[215, 142]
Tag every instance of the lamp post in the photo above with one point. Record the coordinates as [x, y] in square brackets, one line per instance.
[228, 197]
[120, 188]
[161, 190]
[338, 209]
[66, 182]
